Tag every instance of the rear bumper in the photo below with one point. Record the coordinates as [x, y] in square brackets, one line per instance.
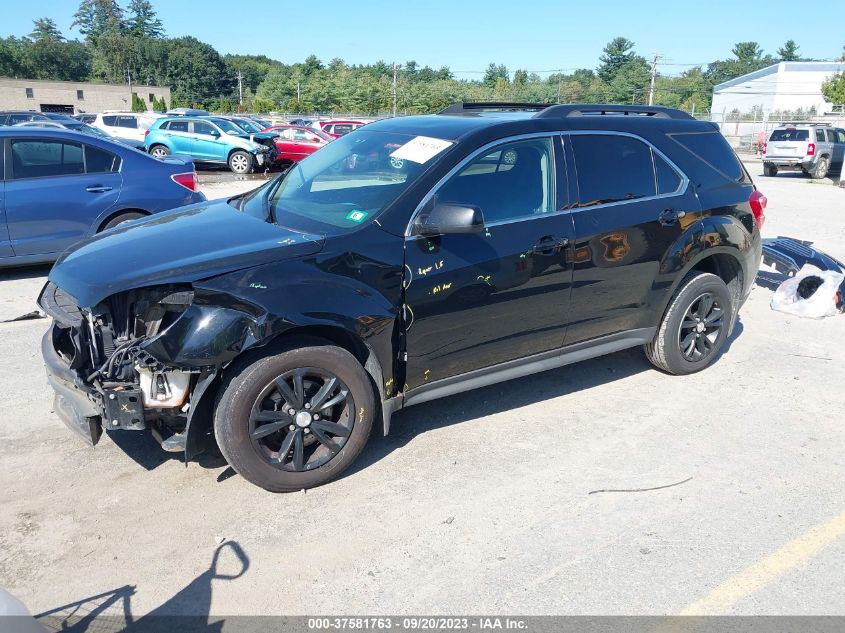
[785, 162]
[74, 402]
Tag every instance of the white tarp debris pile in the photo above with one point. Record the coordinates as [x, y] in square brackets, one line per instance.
[811, 293]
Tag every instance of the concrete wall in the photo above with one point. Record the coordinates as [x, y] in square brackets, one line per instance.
[95, 97]
[781, 87]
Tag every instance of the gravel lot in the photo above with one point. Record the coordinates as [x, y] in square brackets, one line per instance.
[479, 503]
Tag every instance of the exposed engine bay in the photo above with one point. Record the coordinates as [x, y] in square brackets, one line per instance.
[128, 387]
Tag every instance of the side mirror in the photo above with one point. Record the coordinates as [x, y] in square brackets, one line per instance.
[215, 133]
[447, 218]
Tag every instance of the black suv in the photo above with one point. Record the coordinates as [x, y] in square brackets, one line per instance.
[411, 259]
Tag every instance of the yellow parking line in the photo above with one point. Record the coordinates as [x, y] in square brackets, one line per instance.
[770, 568]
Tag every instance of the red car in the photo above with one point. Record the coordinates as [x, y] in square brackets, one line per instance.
[336, 129]
[295, 142]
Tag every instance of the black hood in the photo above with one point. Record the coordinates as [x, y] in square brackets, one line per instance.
[184, 245]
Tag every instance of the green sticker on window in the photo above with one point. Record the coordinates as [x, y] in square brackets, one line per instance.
[356, 216]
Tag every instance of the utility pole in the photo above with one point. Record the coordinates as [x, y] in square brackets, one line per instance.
[559, 82]
[394, 88]
[129, 78]
[653, 77]
[240, 88]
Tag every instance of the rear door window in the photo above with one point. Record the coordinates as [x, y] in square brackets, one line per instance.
[40, 158]
[178, 126]
[789, 135]
[612, 168]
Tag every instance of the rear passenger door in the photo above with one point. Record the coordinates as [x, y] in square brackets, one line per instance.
[632, 206]
[51, 202]
[5, 244]
[180, 136]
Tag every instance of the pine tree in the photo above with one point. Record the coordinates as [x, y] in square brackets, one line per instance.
[45, 29]
[143, 21]
[789, 51]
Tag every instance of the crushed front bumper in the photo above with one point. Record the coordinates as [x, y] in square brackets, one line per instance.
[75, 403]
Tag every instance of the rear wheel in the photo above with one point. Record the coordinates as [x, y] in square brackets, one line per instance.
[123, 217]
[822, 168]
[159, 151]
[695, 327]
[296, 419]
[241, 162]
[769, 169]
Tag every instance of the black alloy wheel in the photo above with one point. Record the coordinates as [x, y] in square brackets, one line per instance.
[701, 327]
[302, 419]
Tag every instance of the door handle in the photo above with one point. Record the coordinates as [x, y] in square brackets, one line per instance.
[668, 217]
[548, 245]
[97, 189]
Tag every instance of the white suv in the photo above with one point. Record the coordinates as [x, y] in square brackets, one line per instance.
[131, 126]
[815, 149]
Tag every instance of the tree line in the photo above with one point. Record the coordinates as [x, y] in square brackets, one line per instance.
[130, 43]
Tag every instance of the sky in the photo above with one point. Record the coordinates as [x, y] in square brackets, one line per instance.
[536, 35]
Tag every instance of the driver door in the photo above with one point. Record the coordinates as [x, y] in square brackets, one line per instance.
[475, 300]
[207, 143]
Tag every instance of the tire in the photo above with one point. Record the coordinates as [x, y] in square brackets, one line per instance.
[252, 387]
[822, 167]
[159, 151]
[241, 162]
[770, 170]
[669, 350]
[123, 217]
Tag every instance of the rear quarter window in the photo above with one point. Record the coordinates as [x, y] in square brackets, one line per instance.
[713, 149]
[110, 120]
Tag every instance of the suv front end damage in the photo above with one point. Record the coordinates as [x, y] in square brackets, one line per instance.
[102, 370]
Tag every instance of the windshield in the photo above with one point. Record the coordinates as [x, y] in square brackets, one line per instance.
[348, 182]
[227, 126]
[90, 130]
[249, 126]
[790, 135]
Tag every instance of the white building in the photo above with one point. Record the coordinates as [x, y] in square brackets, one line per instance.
[783, 87]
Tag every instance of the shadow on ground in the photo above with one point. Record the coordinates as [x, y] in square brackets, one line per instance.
[24, 272]
[186, 611]
[495, 399]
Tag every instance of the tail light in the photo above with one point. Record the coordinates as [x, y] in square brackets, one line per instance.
[765, 146]
[188, 180]
[758, 203]
[146, 133]
[811, 149]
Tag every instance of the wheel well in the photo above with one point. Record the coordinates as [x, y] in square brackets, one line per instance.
[117, 213]
[726, 267]
[237, 149]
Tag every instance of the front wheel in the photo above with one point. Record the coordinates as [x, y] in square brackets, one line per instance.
[296, 419]
[695, 327]
[241, 162]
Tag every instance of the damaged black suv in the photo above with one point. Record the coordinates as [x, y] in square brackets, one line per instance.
[412, 259]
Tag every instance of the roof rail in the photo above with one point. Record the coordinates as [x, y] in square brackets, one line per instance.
[601, 109]
[552, 111]
[464, 107]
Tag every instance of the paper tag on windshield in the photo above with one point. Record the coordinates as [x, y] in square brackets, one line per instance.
[421, 149]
